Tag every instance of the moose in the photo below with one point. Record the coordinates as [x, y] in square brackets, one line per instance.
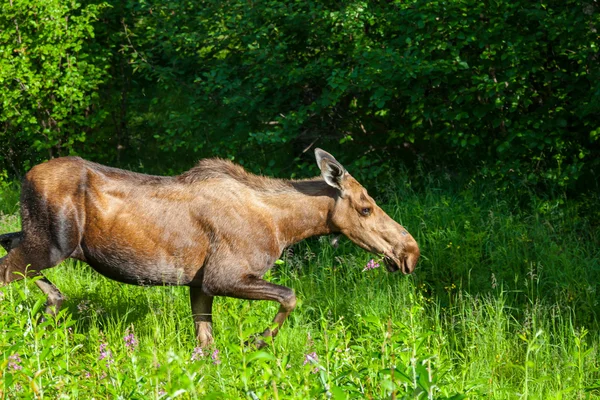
[215, 228]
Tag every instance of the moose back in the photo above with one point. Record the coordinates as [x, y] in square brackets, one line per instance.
[216, 228]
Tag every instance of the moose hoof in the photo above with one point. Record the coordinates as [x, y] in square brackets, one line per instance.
[257, 341]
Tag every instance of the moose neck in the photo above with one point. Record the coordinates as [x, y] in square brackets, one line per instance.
[303, 212]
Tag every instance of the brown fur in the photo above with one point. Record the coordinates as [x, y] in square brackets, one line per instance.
[216, 228]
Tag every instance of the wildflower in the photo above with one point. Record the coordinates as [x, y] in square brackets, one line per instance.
[161, 392]
[88, 375]
[130, 341]
[105, 354]
[13, 362]
[215, 357]
[312, 358]
[371, 265]
[197, 354]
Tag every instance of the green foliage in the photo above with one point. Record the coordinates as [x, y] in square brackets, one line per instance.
[49, 76]
[508, 87]
[9, 195]
[512, 85]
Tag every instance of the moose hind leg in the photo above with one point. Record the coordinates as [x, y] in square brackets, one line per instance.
[28, 260]
[10, 240]
[54, 297]
[202, 314]
[50, 235]
[253, 288]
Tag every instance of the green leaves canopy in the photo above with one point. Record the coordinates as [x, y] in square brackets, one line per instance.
[49, 78]
[509, 87]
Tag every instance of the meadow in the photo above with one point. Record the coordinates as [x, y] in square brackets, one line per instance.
[503, 305]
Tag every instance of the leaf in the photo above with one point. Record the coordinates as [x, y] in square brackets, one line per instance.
[398, 375]
[338, 393]
[261, 355]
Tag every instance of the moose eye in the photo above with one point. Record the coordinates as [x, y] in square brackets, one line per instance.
[365, 211]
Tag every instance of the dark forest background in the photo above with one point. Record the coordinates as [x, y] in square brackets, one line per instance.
[508, 90]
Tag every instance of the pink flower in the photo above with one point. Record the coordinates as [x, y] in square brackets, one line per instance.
[130, 341]
[215, 357]
[13, 362]
[312, 358]
[198, 354]
[105, 354]
[371, 265]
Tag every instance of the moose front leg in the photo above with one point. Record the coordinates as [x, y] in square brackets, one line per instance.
[202, 314]
[253, 288]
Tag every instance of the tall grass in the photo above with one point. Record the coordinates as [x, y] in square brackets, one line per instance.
[503, 305]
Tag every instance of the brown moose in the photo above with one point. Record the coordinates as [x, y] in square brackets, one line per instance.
[216, 228]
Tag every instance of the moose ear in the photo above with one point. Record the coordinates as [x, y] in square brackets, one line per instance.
[331, 170]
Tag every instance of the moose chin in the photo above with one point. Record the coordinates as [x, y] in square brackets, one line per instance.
[216, 228]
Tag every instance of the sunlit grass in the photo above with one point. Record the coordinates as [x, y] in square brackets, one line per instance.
[503, 305]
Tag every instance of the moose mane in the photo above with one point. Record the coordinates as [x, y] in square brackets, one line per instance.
[218, 168]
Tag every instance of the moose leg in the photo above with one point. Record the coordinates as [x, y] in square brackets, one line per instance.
[55, 297]
[28, 260]
[10, 240]
[23, 261]
[202, 314]
[253, 288]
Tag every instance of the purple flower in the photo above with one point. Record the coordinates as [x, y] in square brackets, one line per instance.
[130, 341]
[198, 354]
[312, 358]
[215, 357]
[88, 375]
[105, 354]
[371, 265]
[13, 362]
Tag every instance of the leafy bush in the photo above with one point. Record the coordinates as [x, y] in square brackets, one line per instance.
[49, 75]
[509, 87]
[511, 84]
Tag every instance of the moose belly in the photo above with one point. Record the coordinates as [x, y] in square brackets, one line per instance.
[151, 245]
[124, 266]
[151, 257]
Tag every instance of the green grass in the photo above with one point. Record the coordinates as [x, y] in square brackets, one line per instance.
[503, 305]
